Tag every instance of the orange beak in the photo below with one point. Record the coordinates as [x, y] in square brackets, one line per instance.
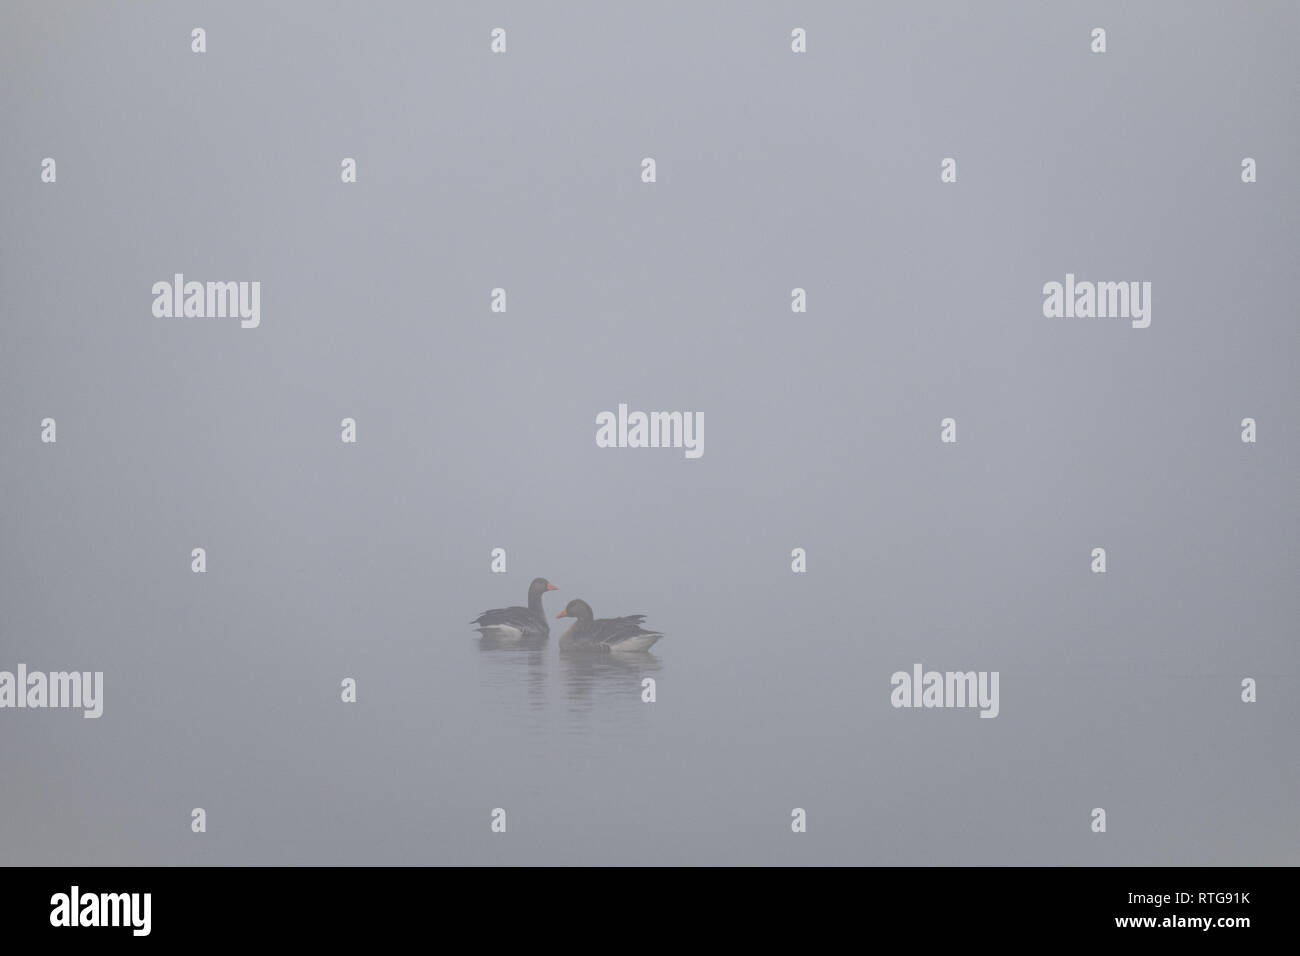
[551, 587]
[562, 614]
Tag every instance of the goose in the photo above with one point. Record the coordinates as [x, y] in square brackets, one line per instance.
[517, 623]
[606, 633]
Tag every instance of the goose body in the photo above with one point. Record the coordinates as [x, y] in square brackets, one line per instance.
[606, 634]
[518, 623]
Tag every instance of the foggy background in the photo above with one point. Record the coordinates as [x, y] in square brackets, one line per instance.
[476, 431]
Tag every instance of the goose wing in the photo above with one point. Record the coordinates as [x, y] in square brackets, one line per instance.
[519, 617]
[611, 630]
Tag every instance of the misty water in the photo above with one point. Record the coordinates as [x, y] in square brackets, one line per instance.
[478, 430]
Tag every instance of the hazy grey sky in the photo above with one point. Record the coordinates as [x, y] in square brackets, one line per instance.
[477, 430]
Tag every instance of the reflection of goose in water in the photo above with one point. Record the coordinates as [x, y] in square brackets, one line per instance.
[616, 634]
[518, 623]
[515, 673]
[607, 676]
